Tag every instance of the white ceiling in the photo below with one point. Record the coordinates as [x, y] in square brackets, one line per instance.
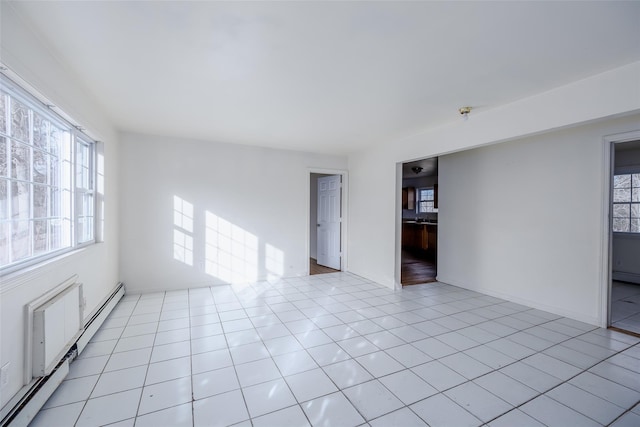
[330, 77]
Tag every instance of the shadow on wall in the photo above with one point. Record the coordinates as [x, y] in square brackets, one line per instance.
[231, 254]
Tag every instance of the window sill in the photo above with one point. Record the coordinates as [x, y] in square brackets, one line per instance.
[16, 278]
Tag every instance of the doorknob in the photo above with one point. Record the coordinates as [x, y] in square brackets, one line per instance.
[318, 225]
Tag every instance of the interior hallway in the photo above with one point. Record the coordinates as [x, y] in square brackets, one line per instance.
[336, 349]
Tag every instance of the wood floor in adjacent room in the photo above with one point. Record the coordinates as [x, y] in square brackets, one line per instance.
[417, 268]
[314, 268]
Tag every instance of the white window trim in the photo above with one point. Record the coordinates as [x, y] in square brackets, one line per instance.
[34, 101]
[625, 171]
[418, 200]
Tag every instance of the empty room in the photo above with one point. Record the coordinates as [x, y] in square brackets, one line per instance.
[319, 213]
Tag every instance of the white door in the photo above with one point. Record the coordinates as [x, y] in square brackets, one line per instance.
[328, 226]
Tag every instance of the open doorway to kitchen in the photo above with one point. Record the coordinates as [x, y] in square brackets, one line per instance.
[624, 302]
[419, 244]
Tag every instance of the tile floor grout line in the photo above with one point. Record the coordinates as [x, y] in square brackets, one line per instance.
[471, 380]
[380, 304]
[164, 296]
[625, 412]
[191, 374]
[103, 370]
[235, 370]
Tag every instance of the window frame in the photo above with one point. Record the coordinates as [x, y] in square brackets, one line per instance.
[89, 190]
[630, 172]
[76, 137]
[419, 200]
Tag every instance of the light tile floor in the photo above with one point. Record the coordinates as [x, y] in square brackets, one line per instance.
[625, 306]
[338, 350]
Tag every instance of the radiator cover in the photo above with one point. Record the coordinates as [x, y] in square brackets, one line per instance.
[55, 321]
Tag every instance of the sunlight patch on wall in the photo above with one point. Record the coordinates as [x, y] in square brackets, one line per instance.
[182, 231]
[231, 253]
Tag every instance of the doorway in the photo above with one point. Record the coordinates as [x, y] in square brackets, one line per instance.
[419, 235]
[624, 301]
[326, 219]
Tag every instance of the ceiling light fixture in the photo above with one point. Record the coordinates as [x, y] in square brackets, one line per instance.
[416, 169]
[464, 111]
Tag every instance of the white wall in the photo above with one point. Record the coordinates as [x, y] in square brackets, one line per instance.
[97, 266]
[626, 247]
[263, 193]
[375, 182]
[523, 220]
[374, 210]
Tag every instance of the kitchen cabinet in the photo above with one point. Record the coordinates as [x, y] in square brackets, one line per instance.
[428, 237]
[409, 198]
[416, 235]
[432, 238]
[408, 235]
[424, 238]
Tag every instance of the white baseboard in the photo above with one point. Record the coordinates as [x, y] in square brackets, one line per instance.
[581, 317]
[32, 406]
[97, 318]
[24, 406]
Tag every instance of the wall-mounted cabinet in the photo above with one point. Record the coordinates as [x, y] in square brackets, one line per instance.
[409, 198]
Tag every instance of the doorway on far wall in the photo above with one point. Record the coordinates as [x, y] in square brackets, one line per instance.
[325, 223]
[419, 246]
[624, 303]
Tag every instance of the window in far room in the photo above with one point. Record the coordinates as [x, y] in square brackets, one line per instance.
[426, 200]
[626, 203]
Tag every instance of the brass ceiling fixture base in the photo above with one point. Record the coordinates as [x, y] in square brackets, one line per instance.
[464, 110]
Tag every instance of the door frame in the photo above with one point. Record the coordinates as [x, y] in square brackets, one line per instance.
[343, 214]
[397, 275]
[606, 279]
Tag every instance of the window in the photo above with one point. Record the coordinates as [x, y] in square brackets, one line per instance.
[626, 203]
[46, 181]
[426, 200]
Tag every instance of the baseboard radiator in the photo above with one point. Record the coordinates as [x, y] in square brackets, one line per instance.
[55, 334]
